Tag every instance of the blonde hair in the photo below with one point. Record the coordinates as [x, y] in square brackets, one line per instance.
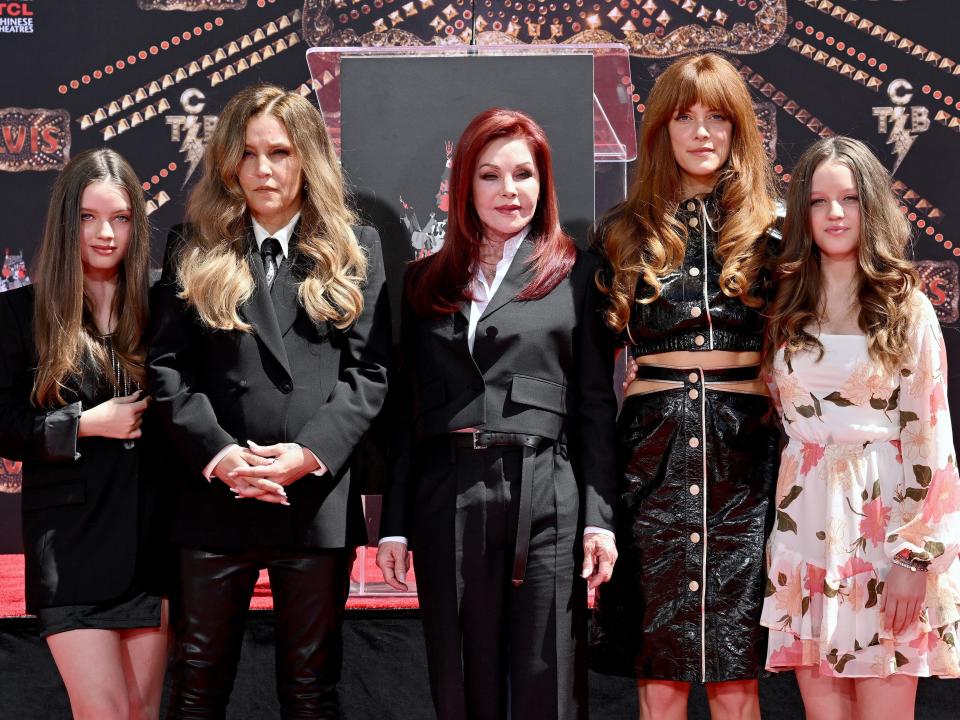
[885, 279]
[64, 330]
[645, 240]
[213, 273]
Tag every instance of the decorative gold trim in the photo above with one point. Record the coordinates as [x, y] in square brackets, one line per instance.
[781, 100]
[191, 5]
[872, 29]
[191, 68]
[769, 25]
[834, 63]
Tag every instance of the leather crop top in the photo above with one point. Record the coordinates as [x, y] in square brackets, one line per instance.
[692, 312]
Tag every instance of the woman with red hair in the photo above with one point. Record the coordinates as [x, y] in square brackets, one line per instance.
[505, 448]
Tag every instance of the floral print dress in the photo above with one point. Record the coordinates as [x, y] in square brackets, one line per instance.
[869, 473]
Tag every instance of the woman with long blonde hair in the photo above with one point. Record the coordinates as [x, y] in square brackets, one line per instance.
[268, 359]
[688, 253]
[71, 369]
[863, 589]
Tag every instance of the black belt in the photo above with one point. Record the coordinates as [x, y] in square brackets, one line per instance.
[710, 375]
[480, 440]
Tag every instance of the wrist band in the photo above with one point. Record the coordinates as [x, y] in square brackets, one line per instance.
[911, 565]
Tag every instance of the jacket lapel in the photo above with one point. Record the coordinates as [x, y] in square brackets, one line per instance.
[259, 311]
[517, 276]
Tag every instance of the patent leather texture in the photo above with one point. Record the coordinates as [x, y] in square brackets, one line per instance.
[697, 467]
[692, 312]
[209, 611]
[685, 599]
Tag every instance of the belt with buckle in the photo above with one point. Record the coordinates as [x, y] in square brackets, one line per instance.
[481, 440]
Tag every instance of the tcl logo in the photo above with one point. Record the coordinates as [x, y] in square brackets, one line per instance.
[15, 9]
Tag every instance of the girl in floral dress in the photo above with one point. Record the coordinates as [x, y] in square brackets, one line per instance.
[863, 589]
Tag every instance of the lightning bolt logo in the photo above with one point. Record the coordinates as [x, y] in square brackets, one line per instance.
[901, 138]
[900, 122]
[191, 146]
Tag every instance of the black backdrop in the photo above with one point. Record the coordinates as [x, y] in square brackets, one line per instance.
[148, 77]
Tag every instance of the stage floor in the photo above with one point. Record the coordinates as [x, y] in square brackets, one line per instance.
[384, 668]
[367, 589]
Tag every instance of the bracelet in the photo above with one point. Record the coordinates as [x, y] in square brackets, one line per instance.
[911, 565]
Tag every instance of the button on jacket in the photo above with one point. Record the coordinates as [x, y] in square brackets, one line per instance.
[697, 468]
[542, 367]
[290, 380]
[692, 312]
[496, 529]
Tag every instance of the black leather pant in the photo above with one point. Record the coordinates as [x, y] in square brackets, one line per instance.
[208, 613]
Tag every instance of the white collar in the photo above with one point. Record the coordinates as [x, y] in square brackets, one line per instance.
[282, 235]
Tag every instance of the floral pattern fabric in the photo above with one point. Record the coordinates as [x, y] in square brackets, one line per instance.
[869, 472]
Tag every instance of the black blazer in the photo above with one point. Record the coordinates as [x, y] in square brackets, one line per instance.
[88, 504]
[543, 367]
[287, 381]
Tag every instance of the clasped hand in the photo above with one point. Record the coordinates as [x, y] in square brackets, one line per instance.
[118, 418]
[262, 471]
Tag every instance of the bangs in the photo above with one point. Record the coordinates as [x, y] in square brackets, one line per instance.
[707, 86]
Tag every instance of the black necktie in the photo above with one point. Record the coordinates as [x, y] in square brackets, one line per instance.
[269, 253]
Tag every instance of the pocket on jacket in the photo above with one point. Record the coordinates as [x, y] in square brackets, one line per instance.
[40, 497]
[539, 393]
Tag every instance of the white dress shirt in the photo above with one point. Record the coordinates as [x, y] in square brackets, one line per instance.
[482, 295]
[282, 236]
[482, 292]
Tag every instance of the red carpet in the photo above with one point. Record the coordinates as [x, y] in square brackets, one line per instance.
[375, 595]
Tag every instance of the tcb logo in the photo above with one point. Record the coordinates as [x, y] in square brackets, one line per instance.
[191, 129]
[900, 123]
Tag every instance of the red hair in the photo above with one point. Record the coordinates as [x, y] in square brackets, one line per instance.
[438, 284]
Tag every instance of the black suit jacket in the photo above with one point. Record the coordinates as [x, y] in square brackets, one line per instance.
[287, 381]
[88, 503]
[543, 367]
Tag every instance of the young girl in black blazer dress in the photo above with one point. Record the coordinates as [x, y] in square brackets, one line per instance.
[71, 368]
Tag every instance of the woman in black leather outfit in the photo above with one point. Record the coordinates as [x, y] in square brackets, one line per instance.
[688, 254]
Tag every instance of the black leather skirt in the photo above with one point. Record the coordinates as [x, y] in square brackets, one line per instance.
[698, 470]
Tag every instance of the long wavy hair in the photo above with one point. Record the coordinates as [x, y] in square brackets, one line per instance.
[64, 330]
[885, 279]
[643, 240]
[438, 284]
[213, 273]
